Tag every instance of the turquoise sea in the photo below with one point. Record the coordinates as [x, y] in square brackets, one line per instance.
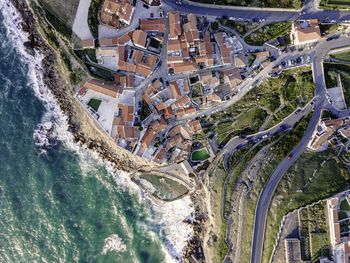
[57, 203]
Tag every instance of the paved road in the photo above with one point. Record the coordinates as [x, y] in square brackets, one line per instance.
[80, 25]
[267, 193]
[271, 15]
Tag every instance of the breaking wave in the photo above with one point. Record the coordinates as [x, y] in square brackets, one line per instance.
[53, 128]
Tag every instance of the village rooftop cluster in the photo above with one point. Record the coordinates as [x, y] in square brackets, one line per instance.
[164, 71]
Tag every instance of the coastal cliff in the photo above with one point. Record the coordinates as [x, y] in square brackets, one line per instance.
[81, 125]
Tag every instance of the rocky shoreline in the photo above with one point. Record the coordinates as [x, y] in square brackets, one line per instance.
[93, 138]
[85, 131]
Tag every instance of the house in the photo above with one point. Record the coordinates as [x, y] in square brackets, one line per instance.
[124, 81]
[139, 38]
[160, 156]
[152, 25]
[87, 43]
[262, 55]
[195, 126]
[184, 67]
[208, 80]
[174, 25]
[224, 46]
[123, 129]
[108, 42]
[305, 32]
[292, 250]
[116, 10]
[232, 77]
[332, 216]
[101, 87]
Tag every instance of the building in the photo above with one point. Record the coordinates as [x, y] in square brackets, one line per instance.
[152, 25]
[87, 43]
[332, 216]
[342, 253]
[139, 38]
[209, 81]
[102, 87]
[324, 130]
[174, 25]
[224, 46]
[232, 77]
[114, 11]
[305, 32]
[184, 67]
[292, 250]
[108, 42]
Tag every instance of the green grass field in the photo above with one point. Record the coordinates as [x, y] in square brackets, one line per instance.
[200, 155]
[95, 104]
[345, 56]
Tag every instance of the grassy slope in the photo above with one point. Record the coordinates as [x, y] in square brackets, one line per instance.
[345, 56]
[270, 32]
[219, 248]
[292, 89]
[242, 27]
[280, 150]
[260, 3]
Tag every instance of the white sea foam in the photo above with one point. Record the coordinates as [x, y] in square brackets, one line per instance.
[54, 126]
[113, 243]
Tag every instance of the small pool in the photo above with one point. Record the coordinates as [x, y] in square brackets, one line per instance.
[200, 155]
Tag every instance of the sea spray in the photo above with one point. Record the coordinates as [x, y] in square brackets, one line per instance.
[54, 127]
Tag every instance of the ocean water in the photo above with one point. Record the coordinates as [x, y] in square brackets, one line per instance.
[58, 201]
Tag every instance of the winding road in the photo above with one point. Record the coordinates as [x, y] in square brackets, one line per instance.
[268, 14]
[317, 54]
[267, 193]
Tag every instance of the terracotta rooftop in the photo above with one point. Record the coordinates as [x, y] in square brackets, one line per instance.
[102, 87]
[306, 34]
[155, 25]
[139, 38]
[174, 25]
